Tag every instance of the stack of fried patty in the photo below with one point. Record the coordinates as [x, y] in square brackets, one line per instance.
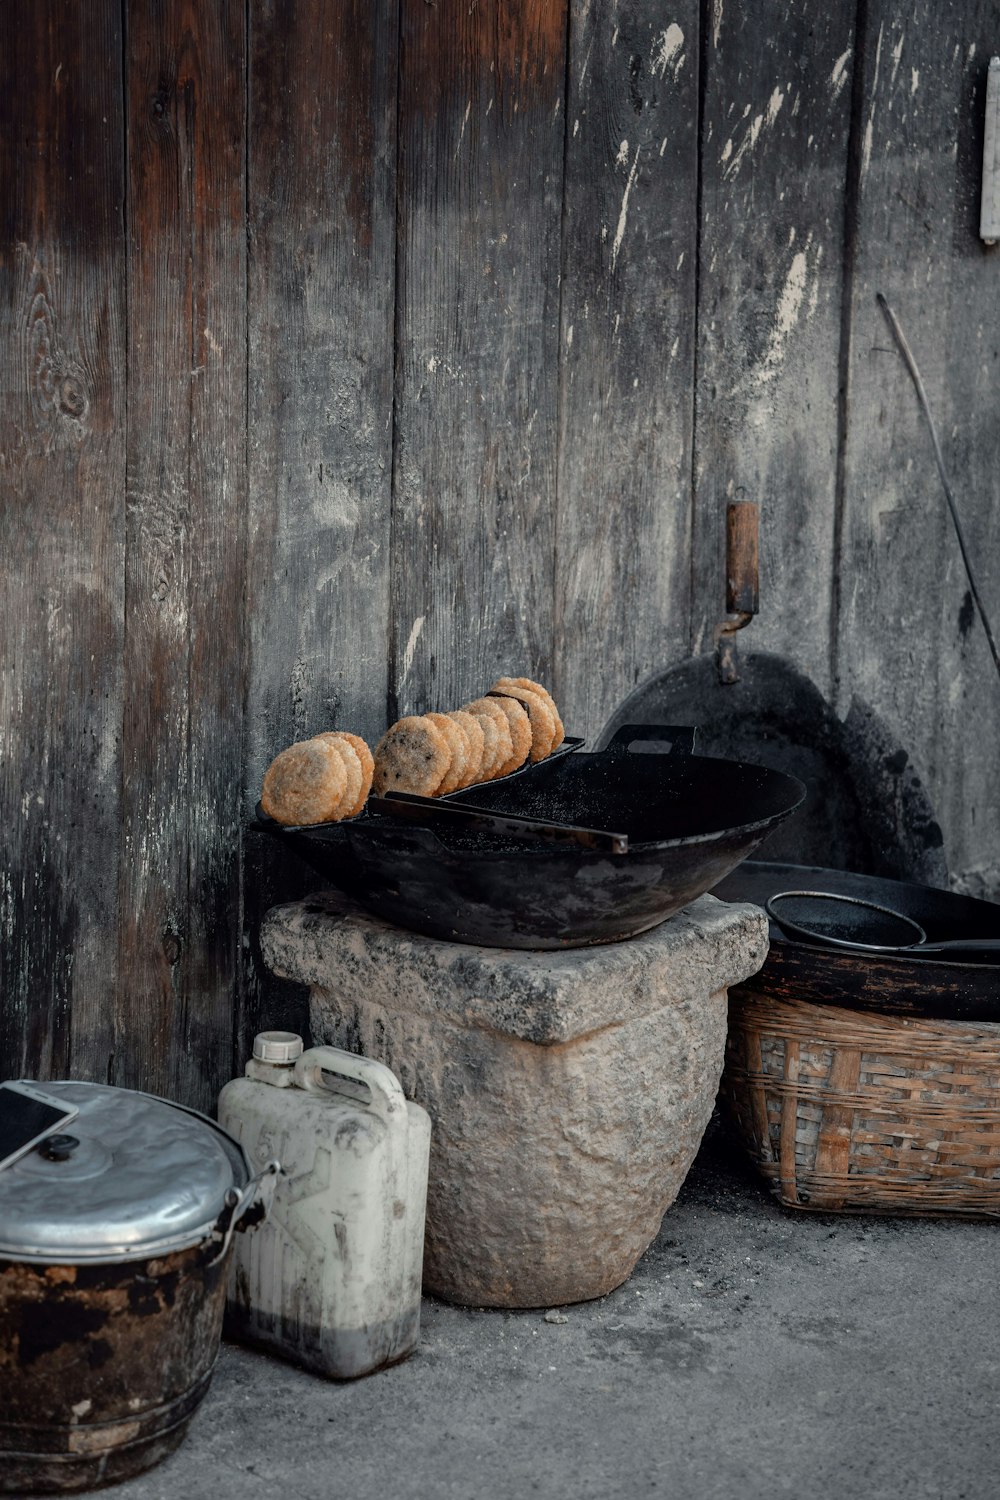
[327, 778]
[432, 754]
[321, 780]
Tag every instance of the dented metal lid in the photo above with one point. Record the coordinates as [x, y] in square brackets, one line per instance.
[132, 1177]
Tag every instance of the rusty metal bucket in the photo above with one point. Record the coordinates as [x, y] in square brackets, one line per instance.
[114, 1260]
[102, 1367]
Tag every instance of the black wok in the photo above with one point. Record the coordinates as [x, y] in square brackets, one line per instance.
[688, 820]
[939, 987]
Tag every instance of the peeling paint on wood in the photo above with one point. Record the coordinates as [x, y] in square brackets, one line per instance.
[179, 889]
[774, 164]
[623, 563]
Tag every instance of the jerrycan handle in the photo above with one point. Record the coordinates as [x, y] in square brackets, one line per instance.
[324, 1069]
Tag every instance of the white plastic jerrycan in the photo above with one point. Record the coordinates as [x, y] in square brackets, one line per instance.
[332, 1278]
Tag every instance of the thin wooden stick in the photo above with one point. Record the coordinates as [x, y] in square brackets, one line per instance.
[911, 365]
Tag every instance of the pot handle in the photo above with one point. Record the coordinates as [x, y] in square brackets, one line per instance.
[652, 739]
[253, 1199]
[331, 1070]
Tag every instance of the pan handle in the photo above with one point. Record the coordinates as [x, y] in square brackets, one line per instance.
[428, 810]
[742, 557]
[652, 739]
[742, 595]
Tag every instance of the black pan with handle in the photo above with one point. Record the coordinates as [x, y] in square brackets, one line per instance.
[865, 809]
[833, 920]
[950, 985]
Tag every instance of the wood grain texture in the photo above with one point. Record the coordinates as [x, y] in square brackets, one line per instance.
[321, 206]
[908, 640]
[774, 148]
[357, 359]
[62, 458]
[184, 569]
[481, 135]
[627, 352]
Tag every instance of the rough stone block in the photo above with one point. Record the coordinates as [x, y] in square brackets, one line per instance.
[568, 1091]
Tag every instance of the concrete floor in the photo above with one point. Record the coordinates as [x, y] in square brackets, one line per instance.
[754, 1353]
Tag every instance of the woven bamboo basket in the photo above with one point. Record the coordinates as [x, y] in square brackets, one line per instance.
[846, 1111]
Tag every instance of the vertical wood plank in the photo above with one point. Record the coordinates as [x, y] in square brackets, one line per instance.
[321, 213]
[909, 641]
[185, 552]
[627, 351]
[775, 137]
[481, 134]
[62, 465]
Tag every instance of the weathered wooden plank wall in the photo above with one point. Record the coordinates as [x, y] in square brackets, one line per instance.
[623, 575]
[908, 639]
[358, 352]
[774, 155]
[185, 482]
[62, 532]
[321, 206]
[481, 137]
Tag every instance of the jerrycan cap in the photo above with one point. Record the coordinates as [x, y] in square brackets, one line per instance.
[277, 1046]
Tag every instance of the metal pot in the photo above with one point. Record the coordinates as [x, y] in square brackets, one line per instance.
[114, 1253]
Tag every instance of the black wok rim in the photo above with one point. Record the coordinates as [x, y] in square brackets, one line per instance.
[534, 850]
[330, 832]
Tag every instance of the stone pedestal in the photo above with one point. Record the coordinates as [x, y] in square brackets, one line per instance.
[568, 1091]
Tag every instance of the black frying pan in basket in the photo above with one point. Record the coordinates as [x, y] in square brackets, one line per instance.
[947, 986]
[832, 919]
